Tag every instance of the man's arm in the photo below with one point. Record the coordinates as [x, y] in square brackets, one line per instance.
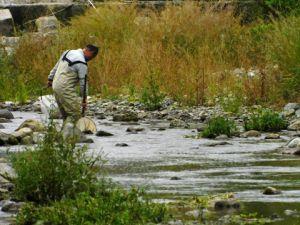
[82, 75]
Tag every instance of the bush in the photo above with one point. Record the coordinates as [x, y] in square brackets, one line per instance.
[151, 94]
[53, 170]
[219, 125]
[265, 120]
[113, 207]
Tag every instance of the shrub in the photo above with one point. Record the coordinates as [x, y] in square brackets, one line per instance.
[115, 207]
[54, 169]
[219, 125]
[151, 94]
[265, 120]
[231, 103]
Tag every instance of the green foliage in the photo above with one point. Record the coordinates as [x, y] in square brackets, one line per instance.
[265, 120]
[284, 6]
[231, 103]
[53, 170]
[248, 219]
[115, 207]
[219, 125]
[152, 96]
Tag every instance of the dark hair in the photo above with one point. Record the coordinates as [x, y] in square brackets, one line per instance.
[93, 49]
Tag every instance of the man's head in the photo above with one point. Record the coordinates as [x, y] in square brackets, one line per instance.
[90, 52]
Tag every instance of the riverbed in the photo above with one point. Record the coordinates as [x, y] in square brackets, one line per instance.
[171, 166]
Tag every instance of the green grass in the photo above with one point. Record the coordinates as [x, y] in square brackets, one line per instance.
[265, 120]
[218, 126]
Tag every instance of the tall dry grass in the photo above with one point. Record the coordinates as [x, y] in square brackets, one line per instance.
[192, 52]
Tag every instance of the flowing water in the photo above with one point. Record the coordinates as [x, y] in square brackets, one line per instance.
[172, 166]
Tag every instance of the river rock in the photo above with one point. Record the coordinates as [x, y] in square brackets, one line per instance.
[122, 145]
[295, 125]
[294, 143]
[175, 178]
[194, 213]
[4, 120]
[46, 24]
[1, 126]
[135, 129]
[4, 113]
[34, 125]
[125, 117]
[271, 191]
[27, 140]
[175, 222]
[294, 106]
[6, 23]
[102, 133]
[213, 144]
[7, 139]
[178, 123]
[272, 136]
[70, 131]
[289, 112]
[23, 132]
[226, 204]
[297, 113]
[222, 137]
[11, 207]
[251, 133]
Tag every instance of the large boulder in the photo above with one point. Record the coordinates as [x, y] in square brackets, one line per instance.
[4, 113]
[294, 106]
[6, 23]
[295, 125]
[294, 143]
[22, 133]
[7, 139]
[34, 125]
[47, 24]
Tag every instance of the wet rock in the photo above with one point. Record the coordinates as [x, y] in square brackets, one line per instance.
[102, 133]
[7, 139]
[122, 145]
[272, 136]
[271, 191]
[178, 123]
[11, 207]
[134, 129]
[295, 125]
[294, 143]
[161, 128]
[226, 204]
[70, 131]
[251, 133]
[23, 132]
[100, 116]
[86, 140]
[297, 113]
[6, 23]
[34, 125]
[175, 178]
[194, 213]
[46, 24]
[125, 117]
[1, 126]
[130, 124]
[213, 144]
[4, 120]
[290, 106]
[222, 137]
[4, 113]
[27, 140]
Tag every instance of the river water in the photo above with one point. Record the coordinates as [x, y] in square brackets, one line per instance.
[155, 157]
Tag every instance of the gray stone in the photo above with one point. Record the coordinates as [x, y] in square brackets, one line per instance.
[34, 125]
[11, 207]
[47, 24]
[288, 113]
[295, 125]
[272, 136]
[6, 23]
[4, 113]
[175, 222]
[251, 133]
[294, 143]
[7, 139]
[222, 137]
[70, 131]
[175, 178]
[297, 113]
[23, 132]
[1, 126]
[194, 214]
[271, 191]
[294, 106]
[213, 144]
[135, 129]
[178, 123]
[102, 133]
[122, 145]
[226, 204]
[9, 41]
[125, 117]
[3, 120]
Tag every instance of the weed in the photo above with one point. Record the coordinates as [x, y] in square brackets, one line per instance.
[219, 125]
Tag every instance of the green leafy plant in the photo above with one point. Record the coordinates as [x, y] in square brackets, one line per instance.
[53, 170]
[231, 103]
[152, 96]
[265, 120]
[219, 125]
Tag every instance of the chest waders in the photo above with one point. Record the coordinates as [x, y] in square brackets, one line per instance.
[64, 88]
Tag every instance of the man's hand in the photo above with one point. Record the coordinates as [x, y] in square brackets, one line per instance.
[49, 83]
